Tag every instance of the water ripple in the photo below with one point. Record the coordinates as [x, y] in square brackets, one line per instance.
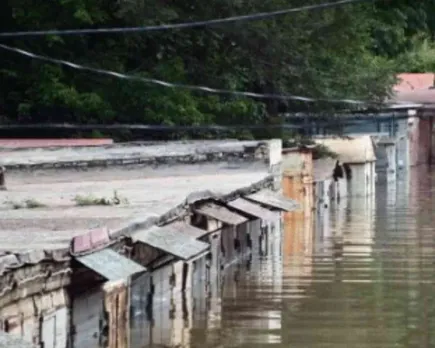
[361, 275]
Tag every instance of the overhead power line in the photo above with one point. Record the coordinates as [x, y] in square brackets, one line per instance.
[290, 124]
[204, 23]
[180, 85]
[142, 127]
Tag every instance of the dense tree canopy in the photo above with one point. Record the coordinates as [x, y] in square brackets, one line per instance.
[352, 51]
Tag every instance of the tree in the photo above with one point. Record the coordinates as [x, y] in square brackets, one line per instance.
[322, 54]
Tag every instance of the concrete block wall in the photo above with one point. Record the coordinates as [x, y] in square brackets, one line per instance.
[39, 319]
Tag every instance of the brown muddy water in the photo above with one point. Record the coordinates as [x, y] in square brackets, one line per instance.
[362, 276]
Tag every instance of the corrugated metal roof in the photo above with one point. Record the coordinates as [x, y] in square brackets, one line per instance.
[11, 341]
[252, 209]
[110, 264]
[221, 213]
[182, 227]
[171, 241]
[323, 168]
[358, 149]
[274, 200]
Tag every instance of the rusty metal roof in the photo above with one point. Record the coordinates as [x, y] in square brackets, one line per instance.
[221, 213]
[274, 200]
[252, 209]
[352, 150]
[171, 241]
[11, 341]
[110, 264]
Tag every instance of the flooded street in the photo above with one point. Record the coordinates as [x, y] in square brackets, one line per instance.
[362, 276]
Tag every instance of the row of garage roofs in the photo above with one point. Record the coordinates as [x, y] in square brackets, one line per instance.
[188, 253]
[178, 256]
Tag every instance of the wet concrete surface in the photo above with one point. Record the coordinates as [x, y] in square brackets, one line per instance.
[363, 276]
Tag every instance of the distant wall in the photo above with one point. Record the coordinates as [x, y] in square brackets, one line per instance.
[44, 143]
[232, 153]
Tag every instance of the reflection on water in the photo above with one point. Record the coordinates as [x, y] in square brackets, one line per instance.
[360, 274]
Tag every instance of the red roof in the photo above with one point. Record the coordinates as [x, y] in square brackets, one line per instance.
[414, 89]
[25, 143]
[409, 82]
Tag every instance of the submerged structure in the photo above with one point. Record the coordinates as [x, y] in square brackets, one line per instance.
[91, 236]
[357, 154]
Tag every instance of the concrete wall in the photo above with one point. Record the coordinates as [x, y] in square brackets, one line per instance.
[41, 318]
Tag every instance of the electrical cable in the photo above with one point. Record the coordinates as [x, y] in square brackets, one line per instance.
[143, 127]
[180, 85]
[204, 23]
[287, 124]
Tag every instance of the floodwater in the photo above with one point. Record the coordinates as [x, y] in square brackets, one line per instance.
[361, 276]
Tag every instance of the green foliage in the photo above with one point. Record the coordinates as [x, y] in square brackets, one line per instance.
[318, 150]
[352, 51]
[28, 203]
[405, 34]
[88, 200]
[420, 57]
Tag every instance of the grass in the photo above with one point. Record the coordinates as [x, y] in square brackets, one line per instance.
[33, 203]
[28, 203]
[89, 200]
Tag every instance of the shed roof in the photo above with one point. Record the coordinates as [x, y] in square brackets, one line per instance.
[351, 150]
[183, 227]
[323, 168]
[274, 200]
[221, 213]
[111, 265]
[252, 209]
[171, 241]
